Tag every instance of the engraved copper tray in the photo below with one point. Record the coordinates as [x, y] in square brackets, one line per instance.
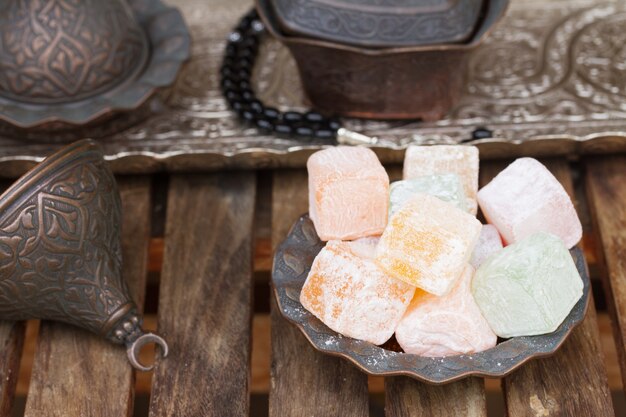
[548, 81]
[292, 263]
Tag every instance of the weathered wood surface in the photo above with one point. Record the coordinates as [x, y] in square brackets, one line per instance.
[305, 382]
[405, 397]
[76, 373]
[11, 341]
[606, 190]
[205, 297]
[573, 381]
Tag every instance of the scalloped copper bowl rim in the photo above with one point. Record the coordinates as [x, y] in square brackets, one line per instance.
[301, 246]
[126, 95]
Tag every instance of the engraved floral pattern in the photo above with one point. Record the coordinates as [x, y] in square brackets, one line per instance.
[65, 50]
[60, 249]
[385, 22]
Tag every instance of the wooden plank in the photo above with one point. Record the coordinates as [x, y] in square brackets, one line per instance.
[405, 397]
[205, 297]
[543, 387]
[11, 342]
[305, 382]
[606, 191]
[77, 373]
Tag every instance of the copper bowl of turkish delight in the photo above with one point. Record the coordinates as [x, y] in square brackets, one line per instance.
[402, 278]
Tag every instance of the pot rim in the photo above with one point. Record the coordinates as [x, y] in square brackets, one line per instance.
[496, 9]
[67, 154]
[465, 28]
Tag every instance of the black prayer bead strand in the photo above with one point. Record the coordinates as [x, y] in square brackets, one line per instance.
[236, 72]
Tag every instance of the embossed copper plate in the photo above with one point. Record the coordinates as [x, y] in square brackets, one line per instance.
[292, 263]
[71, 63]
[539, 82]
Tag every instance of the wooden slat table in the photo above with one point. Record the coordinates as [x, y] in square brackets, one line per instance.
[205, 281]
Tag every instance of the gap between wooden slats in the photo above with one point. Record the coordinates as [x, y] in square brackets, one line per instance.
[76, 373]
[305, 382]
[205, 297]
[573, 381]
[606, 191]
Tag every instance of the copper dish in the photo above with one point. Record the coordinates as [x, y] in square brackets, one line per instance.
[292, 263]
[376, 23]
[390, 83]
[76, 63]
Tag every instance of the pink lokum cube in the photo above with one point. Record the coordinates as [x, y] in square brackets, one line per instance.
[526, 198]
[489, 242]
[443, 326]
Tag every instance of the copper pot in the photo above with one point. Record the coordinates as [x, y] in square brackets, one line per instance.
[389, 83]
[60, 249]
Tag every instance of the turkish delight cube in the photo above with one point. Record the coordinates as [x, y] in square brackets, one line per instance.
[446, 187]
[489, 242]
[348, 193]
[526, 198]
[443, 326]
[443, 159]
[351, 295]
[427, 243]
[529, 287]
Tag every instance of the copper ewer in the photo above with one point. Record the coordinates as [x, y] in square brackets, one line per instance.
[60, 249]
[404, 82]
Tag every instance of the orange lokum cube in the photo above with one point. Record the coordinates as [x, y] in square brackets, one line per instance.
[348, 193]
[351, 295]
[427, 243]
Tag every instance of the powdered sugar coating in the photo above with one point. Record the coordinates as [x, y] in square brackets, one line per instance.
[351, 295]
[442, 159]
[529, 287]
[446, 187]
[526, 198]
[489, 243]
[427, 243]
[443, 326]
[348, 193]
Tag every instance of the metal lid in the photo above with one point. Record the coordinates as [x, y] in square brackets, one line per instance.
[70, 64]
[380, 23]
[58, 54]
